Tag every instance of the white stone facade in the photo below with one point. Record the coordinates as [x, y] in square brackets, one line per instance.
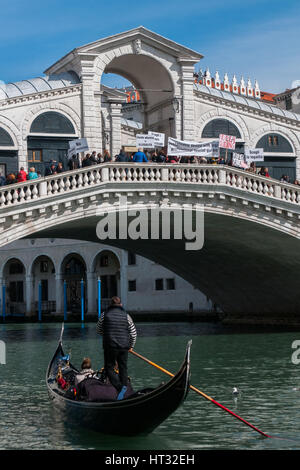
[135, 281]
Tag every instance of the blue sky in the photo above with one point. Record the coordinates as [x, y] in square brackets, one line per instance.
[257, 39]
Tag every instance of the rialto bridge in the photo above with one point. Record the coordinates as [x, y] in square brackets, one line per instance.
[250, 259]
[39, 116]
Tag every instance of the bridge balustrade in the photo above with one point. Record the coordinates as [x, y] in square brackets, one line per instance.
[214, 175]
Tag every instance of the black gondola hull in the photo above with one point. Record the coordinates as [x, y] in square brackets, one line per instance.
[140, 414]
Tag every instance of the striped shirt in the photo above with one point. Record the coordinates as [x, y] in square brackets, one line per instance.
[131, 329]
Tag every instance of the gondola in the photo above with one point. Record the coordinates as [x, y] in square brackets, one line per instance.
[140, 413]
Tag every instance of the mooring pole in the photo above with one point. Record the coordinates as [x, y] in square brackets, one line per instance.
[65, 301]
[3, 301]
[40, 301]
[99, 297]
[82, 300]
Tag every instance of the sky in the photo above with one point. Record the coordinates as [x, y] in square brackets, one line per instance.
[250, 38]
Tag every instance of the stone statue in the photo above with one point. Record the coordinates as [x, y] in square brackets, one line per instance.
[137, 46]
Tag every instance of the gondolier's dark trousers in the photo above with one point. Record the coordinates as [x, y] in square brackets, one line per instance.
[111, 356]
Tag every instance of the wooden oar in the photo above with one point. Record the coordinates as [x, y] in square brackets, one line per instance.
[202, 394]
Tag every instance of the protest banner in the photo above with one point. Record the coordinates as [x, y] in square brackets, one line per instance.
[77, 146]
[227, 141]
[145, 141]
[254, 155]
[159, 138]
[198, 149]
[238, 159]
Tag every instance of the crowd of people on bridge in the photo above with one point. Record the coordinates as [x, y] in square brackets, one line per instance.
[140, 156]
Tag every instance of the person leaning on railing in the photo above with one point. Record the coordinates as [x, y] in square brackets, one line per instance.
[32, 174]
[2, 180]
[264, 171]
[140, 157]
[11, 178]
[22, 175]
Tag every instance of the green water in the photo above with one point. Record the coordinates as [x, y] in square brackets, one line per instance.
[259, 364]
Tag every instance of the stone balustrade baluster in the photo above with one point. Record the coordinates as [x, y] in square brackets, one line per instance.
[73, 182]
[2, 199]
[85, 179]
[28, 193]
[117, 175]
[134, 175]
[194, 175]
[91, 178]
[22, 194]
[123, 174]
[67, 184]
[79, 181]
[54, 186]
[49, 187]
[35, 192]
[97, 176]
[9, 198]
[15, 196]
[152, 175]
[61, 185]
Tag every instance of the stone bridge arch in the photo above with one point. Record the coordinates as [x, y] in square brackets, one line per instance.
[151, 62]
[251, 225]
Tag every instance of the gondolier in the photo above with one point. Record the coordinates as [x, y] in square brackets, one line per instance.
[119, 336]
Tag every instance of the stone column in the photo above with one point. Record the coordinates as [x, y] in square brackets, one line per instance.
[59, 294]
[187, 101]
[91, 291]
[29, 294]
[124, 278]
[91, 113]
[115, 114]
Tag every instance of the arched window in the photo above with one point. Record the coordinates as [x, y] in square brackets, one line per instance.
[52, 122]
[74, 266]
[220, 126]
[274, 143]
[5, 138]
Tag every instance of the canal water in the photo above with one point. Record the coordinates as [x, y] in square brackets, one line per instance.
[258, 363]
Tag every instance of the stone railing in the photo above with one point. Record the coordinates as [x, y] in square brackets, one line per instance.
[89, 177]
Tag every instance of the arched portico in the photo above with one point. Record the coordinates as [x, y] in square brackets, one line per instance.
[159, 67]
[106, 266]
[73, 270]
[17, 294]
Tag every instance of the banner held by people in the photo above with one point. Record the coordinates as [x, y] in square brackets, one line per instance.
[227, 141]
[77, 146]
[182, 148]
[238, 159]
[159, 138]
[254, 155]
[145, 141]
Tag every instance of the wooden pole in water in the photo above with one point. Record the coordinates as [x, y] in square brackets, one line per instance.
[99, 297]
[65, 301]
[40, 302]
[3, 301]
[207, 397]
[82, 300]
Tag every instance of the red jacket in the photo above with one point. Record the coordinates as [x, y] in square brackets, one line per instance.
[22, 176]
